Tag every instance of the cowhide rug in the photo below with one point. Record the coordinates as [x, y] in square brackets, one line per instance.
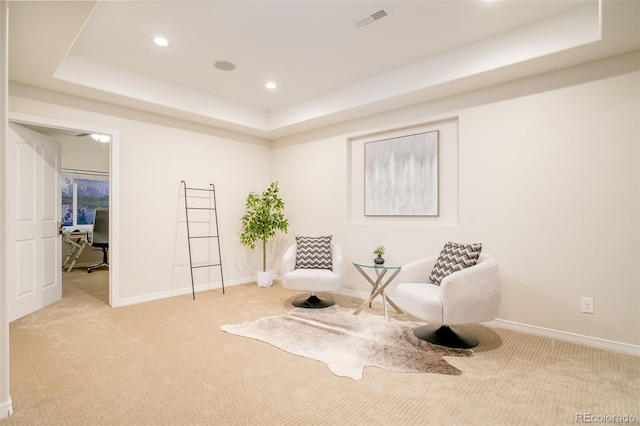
[347, 343]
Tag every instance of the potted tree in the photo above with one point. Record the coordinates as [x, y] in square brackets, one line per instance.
[262, 219]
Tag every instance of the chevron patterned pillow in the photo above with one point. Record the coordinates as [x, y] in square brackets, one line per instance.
[454, 257]
[313, 252]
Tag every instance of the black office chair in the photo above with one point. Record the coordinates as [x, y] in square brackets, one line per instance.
[100, 237]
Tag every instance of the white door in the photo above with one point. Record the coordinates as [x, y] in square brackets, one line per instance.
[34, 205]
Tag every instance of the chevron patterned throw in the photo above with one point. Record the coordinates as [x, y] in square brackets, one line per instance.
[454, 257]
[313, 252]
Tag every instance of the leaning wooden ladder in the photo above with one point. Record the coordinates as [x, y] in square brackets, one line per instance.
[212, 216]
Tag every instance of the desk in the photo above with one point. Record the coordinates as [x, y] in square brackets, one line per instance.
[78, 241]
[377, 286]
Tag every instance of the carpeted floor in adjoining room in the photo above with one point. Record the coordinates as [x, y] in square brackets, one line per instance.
[167, 362]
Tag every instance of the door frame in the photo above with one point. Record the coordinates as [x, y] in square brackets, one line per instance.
[114, 185]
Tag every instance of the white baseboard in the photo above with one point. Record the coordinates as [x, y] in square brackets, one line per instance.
[564, 336]
[6, 409]
[357, 294]
[181, 291]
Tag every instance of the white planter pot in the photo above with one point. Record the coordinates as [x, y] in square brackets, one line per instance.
[265, 278]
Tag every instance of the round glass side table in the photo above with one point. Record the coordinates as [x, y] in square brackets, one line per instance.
[378, 286]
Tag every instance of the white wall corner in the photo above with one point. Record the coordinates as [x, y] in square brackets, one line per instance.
[6, 409]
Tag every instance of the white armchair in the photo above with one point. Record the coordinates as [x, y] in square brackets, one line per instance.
[467, 296]
[312, 280]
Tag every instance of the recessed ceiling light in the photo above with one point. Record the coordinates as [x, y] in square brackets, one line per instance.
[224, 65]
[271, 85]
[161, 41]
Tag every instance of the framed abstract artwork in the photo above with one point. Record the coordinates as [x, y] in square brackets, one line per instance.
[401, 176]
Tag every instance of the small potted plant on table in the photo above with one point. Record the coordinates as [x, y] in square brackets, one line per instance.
[379, 260]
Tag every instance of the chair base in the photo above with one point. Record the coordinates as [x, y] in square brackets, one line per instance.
[313, 302]
[446, 336]
[99, 265]
[105, 261]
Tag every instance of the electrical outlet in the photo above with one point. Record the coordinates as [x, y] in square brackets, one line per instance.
[586, 305]
[176, 271]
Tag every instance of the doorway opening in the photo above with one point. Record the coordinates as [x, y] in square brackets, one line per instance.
[86, 164]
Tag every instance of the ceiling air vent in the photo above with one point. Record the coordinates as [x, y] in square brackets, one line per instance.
[370, 19]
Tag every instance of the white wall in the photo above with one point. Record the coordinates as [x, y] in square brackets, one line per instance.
[548, 181]
[151, 156]
[547, 178]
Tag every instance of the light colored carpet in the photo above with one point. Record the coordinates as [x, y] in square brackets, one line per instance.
[348, 343]
[80, 362]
